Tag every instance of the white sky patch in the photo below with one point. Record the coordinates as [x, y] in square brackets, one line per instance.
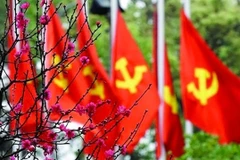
[124, 4]
[154, 1]
[140, 4]
[38, 65]
[137, 14]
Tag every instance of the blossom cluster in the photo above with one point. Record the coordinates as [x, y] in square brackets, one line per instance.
[56, 131]
[21, 20]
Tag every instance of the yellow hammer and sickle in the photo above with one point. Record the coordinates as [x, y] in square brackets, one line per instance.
[98, 87]
[170, 99]
[129, 82]
[202, 93]
[30, 82]
[60, 80]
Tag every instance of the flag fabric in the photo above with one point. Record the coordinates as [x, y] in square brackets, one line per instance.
[102, 89]
[210, 92]
[131, 77]
[81, 83]
[59, 79]
[172, 129]
[173, 138]
[25, 109]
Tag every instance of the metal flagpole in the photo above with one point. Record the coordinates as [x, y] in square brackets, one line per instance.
[113, 21]
[85, 2]
[186, 7]
[160, 70]
[16, 3]
[188, 124]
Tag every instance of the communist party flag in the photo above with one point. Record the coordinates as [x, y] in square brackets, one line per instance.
[172, 130]
[59, 79]
[101, 88]
[25, 110]
[210, 92]
[77, 80]
[173, 138]
[131, 77]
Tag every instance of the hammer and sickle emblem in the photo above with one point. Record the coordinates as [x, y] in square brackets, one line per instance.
[170, 99]
[202, 93]
[98, 87]
[129, 82]
[30, 82]
[60, 80]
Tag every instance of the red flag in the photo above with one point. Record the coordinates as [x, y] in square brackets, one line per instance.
[22, 91]
[210, 91]
[101, 88]
[79, 79]
[172, 129]
[131, 77]
[66, 95]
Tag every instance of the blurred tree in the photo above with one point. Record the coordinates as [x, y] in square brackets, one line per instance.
[219, 23]
[2, 18]
[204, 146]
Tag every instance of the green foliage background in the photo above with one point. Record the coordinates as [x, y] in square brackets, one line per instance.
[218, 21]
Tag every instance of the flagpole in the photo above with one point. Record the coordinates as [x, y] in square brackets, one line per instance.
[16, 3]
[160, 70]
[188, 124]
[113, 21]
[186, 7]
